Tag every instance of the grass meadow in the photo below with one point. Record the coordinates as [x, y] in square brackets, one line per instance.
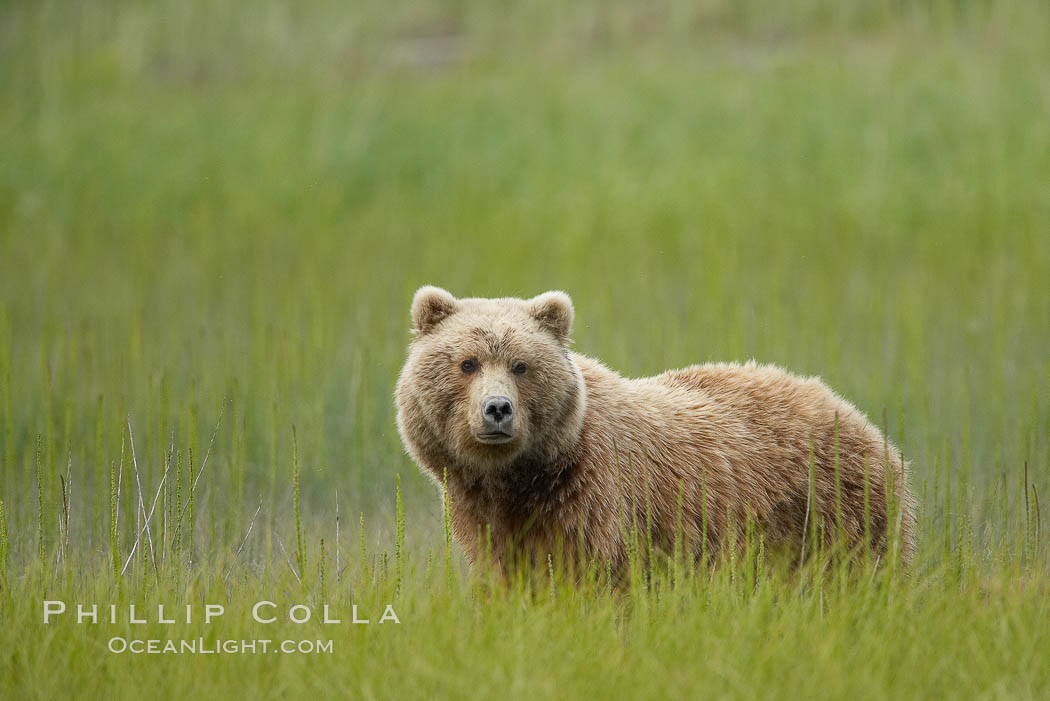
[212, 220]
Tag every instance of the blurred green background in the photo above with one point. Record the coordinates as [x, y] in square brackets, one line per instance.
[236, 201]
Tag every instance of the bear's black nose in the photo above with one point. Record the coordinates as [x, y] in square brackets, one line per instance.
[495, 410]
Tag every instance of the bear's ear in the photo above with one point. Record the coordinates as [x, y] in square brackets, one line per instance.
[554, 312]
[429, 306]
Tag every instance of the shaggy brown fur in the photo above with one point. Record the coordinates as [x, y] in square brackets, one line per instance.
[590, 450]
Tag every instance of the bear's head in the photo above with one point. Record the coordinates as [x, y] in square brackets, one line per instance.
[489, 382]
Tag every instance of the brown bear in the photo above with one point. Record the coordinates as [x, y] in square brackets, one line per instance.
[539, 447]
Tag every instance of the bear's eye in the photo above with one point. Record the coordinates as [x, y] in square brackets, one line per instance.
[469, 366]
[519, 368]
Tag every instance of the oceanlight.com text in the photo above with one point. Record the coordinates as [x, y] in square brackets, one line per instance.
[200, 646]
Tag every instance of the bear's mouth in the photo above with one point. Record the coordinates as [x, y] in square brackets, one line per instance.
[494, 437]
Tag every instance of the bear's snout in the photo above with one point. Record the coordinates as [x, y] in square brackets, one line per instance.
[497, 415]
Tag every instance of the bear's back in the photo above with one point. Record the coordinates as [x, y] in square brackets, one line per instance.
[762, 392]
